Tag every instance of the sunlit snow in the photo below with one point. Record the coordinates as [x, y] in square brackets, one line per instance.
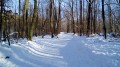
[65, 50]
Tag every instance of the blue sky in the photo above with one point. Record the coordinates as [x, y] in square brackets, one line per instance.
[16, 3]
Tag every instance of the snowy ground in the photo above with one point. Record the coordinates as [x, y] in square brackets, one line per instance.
[66, 51]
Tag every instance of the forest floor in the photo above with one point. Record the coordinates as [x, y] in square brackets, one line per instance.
[67, 50]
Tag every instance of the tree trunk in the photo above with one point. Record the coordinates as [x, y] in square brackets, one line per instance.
[51, 17]
[1, 12]
[103, 17]
[33, 20]
[25, 18]
[59, 18]
[110, 17]
[73, 23]
[94, 20]
[88, 18]
[81, 18]
[19, 25]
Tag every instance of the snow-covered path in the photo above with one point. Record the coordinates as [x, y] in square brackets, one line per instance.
[78, 54]
[37, 53]
[66, 51]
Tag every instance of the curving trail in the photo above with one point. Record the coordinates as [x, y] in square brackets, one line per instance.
[66, 51]
[37, 53]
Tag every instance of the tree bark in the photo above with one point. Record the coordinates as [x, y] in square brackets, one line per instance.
[103, 17]
[25, 19]
[59, 18]
[33, 20]
[72, 22]
[81, 27]
[88, 17]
